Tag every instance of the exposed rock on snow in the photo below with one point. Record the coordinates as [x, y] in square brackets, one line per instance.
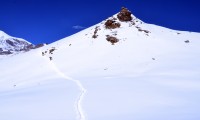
[124, 15]
[187, 41]
[49, 52]
[112, 24]
[95, 32]
[112, 39]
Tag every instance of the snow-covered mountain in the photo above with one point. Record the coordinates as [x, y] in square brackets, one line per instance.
[10, 45]
[119, 69]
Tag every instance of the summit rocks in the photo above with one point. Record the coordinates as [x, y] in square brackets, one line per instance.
[124, 15]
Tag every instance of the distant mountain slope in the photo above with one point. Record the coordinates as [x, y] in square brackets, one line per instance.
[10, 45]
[119, 69]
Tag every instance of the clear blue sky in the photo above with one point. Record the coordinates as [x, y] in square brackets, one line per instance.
[45, 21]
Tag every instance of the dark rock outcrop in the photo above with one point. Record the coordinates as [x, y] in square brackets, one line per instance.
[187, 41]
[38, 46]
[10, 42]
[95, 32]
[52, 50]
[124, 15]
[112, 39]
[112, 24]
[34, 46]
[5, 52]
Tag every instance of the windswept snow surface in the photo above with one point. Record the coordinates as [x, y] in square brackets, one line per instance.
[154, 76]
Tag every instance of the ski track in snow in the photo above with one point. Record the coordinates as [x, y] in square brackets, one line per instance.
[78, 104]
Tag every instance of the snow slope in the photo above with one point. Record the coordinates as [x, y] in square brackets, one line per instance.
[150, 75]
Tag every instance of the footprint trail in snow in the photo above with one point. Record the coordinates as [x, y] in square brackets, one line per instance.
[80, 112]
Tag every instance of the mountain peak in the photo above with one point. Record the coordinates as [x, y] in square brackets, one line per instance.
[10, 45]
[4, 35]
[124, 15]
[112, 29]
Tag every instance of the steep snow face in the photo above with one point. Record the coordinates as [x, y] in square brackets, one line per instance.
[9, 45]
[130, 70]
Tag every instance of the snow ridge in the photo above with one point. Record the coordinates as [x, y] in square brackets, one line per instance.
[78, 104]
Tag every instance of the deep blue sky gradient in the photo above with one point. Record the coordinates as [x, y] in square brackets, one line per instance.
[45, 21]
